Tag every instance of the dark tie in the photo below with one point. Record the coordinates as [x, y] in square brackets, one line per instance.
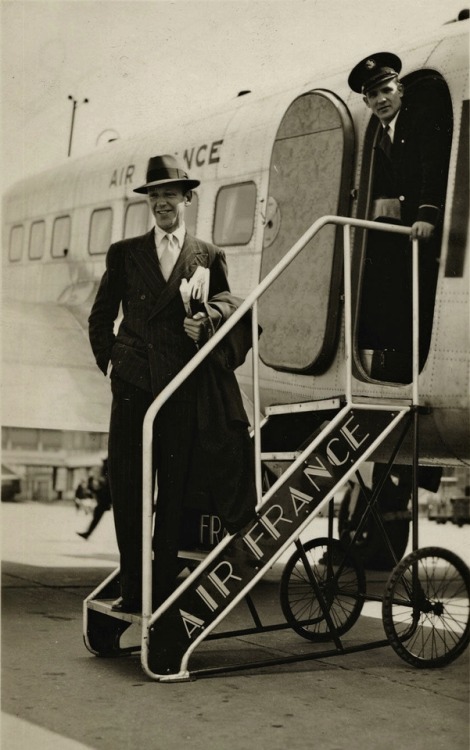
[386, 143]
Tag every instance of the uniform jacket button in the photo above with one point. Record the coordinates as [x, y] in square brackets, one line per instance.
[142, 296]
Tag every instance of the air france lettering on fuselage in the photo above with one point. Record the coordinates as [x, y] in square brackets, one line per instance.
[275, 524]
[207, 153]
[122, 176]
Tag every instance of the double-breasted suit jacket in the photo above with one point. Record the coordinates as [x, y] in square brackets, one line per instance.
[151, 346]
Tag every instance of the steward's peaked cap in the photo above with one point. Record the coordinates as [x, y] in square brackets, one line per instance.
[163, 169]
[373, 70]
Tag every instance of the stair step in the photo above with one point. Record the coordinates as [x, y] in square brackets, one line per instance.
[195, 555]
[386, 402]
[104, 606]
[324, 404]
[280, 456]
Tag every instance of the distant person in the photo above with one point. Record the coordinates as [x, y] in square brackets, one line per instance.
[83, 494]
[101, 493]
[409, 188]
[155, 340]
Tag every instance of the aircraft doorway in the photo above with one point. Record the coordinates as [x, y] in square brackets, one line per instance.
[384, 328]
[310, 176]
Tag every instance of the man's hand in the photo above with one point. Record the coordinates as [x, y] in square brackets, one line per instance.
[422, 230]
[196, 326]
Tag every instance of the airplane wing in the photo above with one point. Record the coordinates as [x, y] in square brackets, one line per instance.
[50, 379]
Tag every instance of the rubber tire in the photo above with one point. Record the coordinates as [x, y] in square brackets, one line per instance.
[345, 603]
[449, 594]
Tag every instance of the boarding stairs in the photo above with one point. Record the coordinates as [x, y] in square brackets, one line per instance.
[293, 486]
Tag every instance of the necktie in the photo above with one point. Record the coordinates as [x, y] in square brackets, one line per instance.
[166, 260]
[386, 142]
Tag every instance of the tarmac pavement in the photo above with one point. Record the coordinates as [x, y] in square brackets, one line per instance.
[58, 696]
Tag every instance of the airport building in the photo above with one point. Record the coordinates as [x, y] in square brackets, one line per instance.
[47, 465]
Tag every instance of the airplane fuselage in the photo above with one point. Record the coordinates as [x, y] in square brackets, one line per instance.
[268, 167]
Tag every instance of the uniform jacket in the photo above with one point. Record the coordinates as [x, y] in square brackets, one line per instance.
[416, 174]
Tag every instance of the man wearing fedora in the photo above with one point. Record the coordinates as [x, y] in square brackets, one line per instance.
[409, 186]
[155, 339]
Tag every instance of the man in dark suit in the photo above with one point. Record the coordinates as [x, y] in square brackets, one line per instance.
[156, 338]
[409, 186]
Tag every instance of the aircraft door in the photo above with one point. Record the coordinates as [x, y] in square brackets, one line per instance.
[310, 176]
[383, 327]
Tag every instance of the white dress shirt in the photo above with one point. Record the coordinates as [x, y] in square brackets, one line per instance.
[177, 240]
[390, 127]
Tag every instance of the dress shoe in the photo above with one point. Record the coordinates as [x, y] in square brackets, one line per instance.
[126, 605]
[83, 534]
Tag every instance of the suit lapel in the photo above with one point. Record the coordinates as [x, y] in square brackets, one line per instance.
[192, 255]
[145, 258]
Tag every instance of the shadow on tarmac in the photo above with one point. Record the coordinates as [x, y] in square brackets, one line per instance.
[58, 695]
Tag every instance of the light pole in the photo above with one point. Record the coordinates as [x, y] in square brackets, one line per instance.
[74, 107]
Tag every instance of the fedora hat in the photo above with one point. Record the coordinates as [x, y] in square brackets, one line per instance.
[164, 169]
[373, 70]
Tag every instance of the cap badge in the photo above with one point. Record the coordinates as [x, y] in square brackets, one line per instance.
[370, 64]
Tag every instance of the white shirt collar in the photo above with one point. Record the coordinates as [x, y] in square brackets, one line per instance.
[391, 126]
[178, 235]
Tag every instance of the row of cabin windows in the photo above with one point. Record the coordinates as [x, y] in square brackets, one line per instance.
[233, 225]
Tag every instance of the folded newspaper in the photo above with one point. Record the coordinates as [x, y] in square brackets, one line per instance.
[196, 291]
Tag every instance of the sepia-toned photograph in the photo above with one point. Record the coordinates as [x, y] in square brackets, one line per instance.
[235, 375]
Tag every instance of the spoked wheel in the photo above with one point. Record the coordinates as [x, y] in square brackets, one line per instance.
[426, 607]
[341, 583]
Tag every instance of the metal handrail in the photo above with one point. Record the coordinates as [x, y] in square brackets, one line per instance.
[204, 351]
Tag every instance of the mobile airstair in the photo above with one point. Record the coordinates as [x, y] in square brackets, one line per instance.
[426, 604]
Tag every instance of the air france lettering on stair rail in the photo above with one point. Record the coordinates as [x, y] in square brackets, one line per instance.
[283, 514]
[219, 581]
[273, 528]
[337, 453]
